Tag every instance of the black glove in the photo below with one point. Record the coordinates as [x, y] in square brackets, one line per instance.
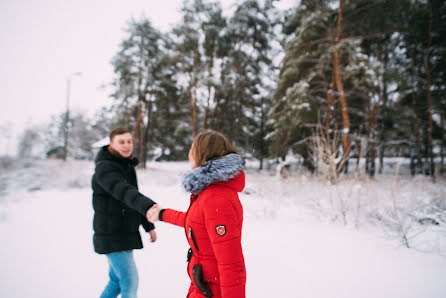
[197, 272]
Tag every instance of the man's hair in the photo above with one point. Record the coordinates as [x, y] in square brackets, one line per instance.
[118, 131]
[210, 144]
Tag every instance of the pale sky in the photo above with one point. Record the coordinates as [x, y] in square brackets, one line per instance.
[43, 41]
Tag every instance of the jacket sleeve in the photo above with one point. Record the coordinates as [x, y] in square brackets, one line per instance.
[147, 225]
[222, 225]
[173, 217]
[109, 176]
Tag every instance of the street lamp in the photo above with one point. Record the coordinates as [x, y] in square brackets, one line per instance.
[67, 114]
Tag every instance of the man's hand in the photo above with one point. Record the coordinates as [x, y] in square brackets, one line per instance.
[152, 235]
[153, 213]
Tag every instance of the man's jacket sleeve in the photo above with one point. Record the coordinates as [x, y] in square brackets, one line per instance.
[147, 225]
[109, 176]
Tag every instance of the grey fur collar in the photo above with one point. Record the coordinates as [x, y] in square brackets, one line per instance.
[218, 169]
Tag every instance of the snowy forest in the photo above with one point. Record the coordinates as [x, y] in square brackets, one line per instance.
[329, 81]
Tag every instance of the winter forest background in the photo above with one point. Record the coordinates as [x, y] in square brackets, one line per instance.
[350, 80]
[338, 105]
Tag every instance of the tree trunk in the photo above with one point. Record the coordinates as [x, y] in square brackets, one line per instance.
[415, 161]
[428, 95]
[344, 107]
[210, 89]
[374, 138]
[136, 129]
[195, 111]
[330, 104]
[363, 131]
[192, 96]
[384, 110]
[206, 111]
[146, 133]
[141, 143]
[127, 113]
[339, 86]
[262, 133]
[442, 115]
[214, 114]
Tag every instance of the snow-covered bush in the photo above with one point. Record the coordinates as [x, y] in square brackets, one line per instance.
[326, 153]
[410, 211]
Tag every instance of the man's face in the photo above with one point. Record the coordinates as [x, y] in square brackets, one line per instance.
[123, 144]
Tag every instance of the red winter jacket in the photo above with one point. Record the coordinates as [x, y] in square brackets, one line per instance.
[213, 227]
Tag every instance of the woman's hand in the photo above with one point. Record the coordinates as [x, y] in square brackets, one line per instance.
[153, 213]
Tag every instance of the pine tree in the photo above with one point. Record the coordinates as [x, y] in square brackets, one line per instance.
[169, 130]
[423, 42]
[307, 77]
[197, 39]
[136, 67]
[243, 98]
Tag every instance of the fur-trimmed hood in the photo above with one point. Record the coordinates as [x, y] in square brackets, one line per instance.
[221, 169]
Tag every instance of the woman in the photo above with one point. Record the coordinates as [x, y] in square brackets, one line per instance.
[213, 222]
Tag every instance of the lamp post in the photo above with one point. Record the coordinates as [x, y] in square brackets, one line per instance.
[67, 114]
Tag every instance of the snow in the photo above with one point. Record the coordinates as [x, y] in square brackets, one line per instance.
[47, 250]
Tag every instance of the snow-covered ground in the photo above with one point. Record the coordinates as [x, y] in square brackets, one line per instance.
[301, 237]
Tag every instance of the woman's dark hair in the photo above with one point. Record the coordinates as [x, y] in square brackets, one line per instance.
[210, 144]
[118, 131]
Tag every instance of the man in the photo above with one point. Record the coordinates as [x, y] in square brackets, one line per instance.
[119, 210]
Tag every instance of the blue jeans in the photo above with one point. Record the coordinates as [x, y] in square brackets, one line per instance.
[123, 275]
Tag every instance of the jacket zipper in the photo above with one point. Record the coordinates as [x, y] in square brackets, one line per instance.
[193, 238]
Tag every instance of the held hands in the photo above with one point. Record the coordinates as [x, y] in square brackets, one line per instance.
[153, 213]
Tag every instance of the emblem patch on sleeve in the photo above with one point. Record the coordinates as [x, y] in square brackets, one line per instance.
[221, 230]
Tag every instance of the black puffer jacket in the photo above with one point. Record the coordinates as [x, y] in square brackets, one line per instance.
[119, 208]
